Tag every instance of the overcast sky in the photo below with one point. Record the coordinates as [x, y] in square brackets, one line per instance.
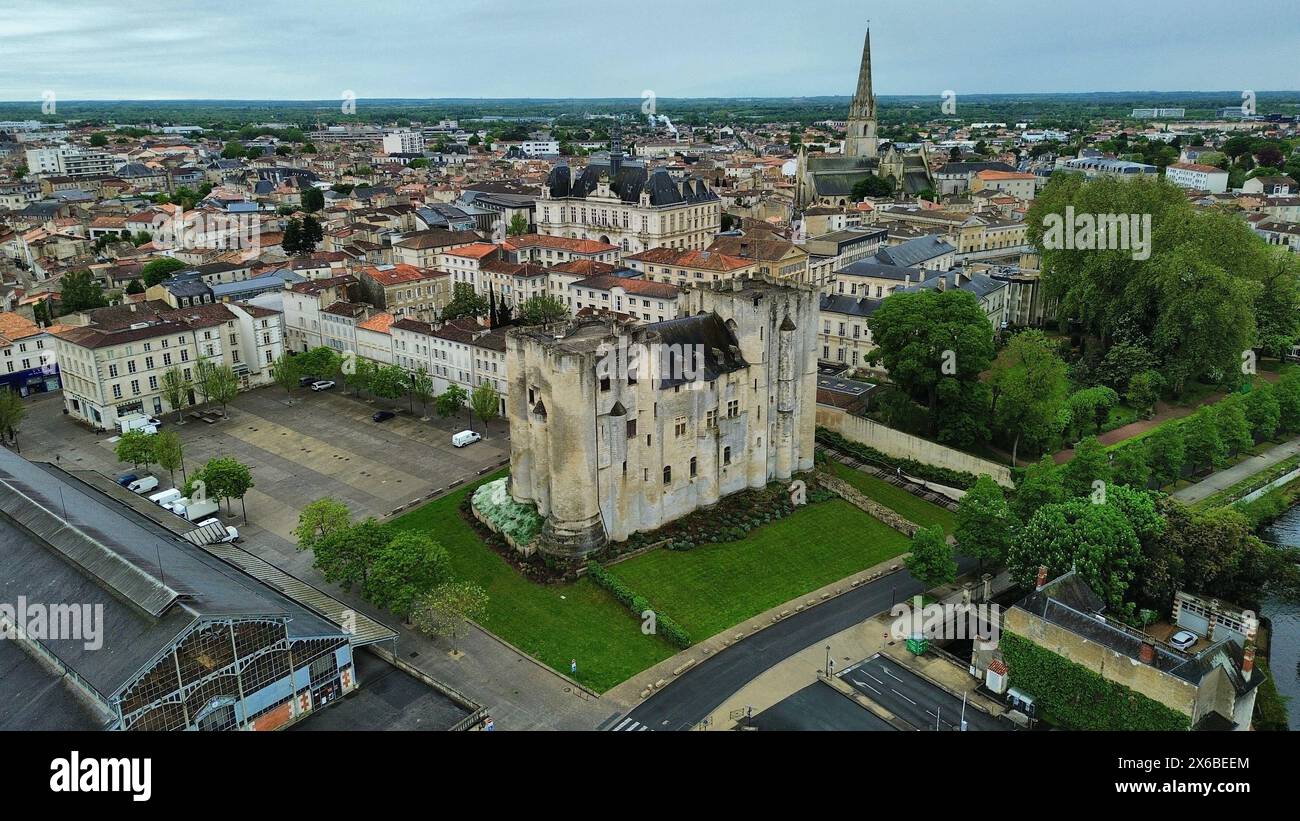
[316, 49]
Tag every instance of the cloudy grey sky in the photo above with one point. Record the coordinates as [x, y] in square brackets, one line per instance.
[316, 49]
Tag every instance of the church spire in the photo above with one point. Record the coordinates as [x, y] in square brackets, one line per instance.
[860, 130]
[864, 100]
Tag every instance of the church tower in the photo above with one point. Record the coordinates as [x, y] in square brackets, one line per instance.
[860, 139]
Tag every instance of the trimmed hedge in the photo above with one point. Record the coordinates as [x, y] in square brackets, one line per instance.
[638, 604]
[1079, 698]
[943, 476]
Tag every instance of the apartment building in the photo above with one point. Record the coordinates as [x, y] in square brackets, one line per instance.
[633, 297]
[464, 263]
[1197, 177]
[548, 250]
[28, 353]
[405, 290]
[461, 352]
[422, 248]
[112, 360]
[683, 267]
[303, 303]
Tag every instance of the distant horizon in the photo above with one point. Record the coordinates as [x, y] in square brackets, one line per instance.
[112, 51]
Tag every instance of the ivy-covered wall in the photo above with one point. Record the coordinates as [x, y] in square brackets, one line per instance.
[1077, 698]
[494, 506]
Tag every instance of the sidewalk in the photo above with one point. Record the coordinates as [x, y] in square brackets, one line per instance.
[1230, 476]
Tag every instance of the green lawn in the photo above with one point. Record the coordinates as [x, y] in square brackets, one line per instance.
[714, 587]
[553, 623]
[910, 507]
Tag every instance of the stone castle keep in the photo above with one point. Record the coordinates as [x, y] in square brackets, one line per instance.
[606, 442]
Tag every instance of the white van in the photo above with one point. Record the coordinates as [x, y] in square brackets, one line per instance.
[465, 437]
[166, 497]
[143, 485]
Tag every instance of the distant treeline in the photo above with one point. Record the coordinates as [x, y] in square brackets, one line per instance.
[1046, 109]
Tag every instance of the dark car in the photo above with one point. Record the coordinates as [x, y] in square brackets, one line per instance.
[383, 416]
[304, 381]
[126, 479]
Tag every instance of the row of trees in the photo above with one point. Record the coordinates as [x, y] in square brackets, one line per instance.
[404, 571]
[1134, 550]
[385, 382]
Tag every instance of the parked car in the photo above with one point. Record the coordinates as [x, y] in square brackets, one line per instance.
[232, 532]
[465, 437]
[304, 381]
[1183, 639]
[383, 416]
[127, 478]
[322, 385]
[155, 421]
[144, 484]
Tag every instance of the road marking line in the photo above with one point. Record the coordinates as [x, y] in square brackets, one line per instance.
[903, 697]
[623, 724]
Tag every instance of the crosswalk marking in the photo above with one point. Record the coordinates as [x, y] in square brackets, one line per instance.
[628, 725]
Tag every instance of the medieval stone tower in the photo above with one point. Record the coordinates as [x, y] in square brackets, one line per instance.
[618, 428]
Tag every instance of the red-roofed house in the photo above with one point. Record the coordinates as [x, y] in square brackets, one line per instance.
[405, 290]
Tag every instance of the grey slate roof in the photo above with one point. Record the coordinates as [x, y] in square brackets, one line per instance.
[914, 251]
[721, 348]
[62, 541]
[632, 178]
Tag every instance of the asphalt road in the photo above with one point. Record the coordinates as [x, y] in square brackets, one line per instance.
[700, 690]
[818, 707]
[921, 704]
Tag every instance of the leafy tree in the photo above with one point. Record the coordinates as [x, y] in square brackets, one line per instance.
[358, 373]
[542, 310]
[136, 448]
[313, 200]
[1130, 467]
[319, 520]
[464, 302]
[1096, 540]
[1234, 426]
[451, 401]
[928, 338]
[1277, 304]
[311, 236]
[1091, 407]
[1089, 464]
[99, 139]
[445, 610]
[422, 388]
[1040, 486]
[286, 371]
[1144, 390]
[1204, 442]
[409, 565]
[984, 523]
[1288, 400]
[1167, 453]
[12, 411]
[345, 556]
[226, 478]
[135, 286]
[175, 390]
[169, 452]
[1214, 553]
[485, 402]
[518, 225]
[321, 362]
[157, 270]
[222, 386]
[292, 240]
[1028, 385]
[388, 382]
[79, 291]
[931, 562]
[233, 151]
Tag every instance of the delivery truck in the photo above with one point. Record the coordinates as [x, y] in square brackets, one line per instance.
[194, 510]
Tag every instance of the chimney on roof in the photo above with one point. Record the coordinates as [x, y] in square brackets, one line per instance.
[1248, 656]
[1041, 582]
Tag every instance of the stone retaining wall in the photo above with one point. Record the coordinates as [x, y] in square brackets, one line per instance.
[853, 496]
